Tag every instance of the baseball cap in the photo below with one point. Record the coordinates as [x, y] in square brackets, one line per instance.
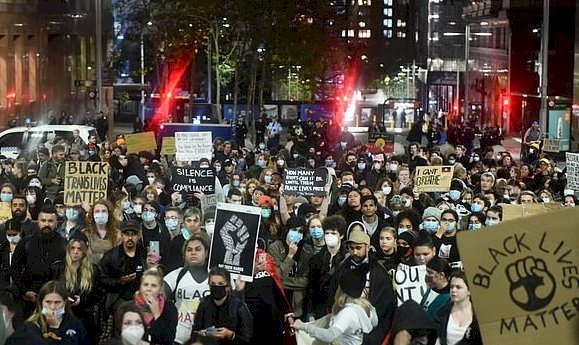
[358, 236]
[544, 160]
[130, 225]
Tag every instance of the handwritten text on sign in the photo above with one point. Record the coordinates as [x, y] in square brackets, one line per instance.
[433, 178]
[190, 180]
[410, 283]
[305, 181]
[192, 146]
[85, 182]
[572, 171]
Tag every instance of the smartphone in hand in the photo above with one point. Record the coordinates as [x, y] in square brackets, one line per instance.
[154, 248]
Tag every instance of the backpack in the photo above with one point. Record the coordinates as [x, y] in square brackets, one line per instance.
[180, 276]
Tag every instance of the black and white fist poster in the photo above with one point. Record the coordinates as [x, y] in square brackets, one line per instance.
[234, 240]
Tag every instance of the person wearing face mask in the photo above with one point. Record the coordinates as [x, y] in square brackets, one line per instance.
[6, 192]
[292, 255]
[52, 321]
[316, 232]
[74, 222]
[445, 238]
[270, 220]
[34, 256]
[405, 247]
[191, 225]
[129, 326]
[9, 238]
[222, 317]
[431, 220]
[376, 172]
[154, 231]
[438, 292]
[475, 221]
[101, 229]
[378, 288]
[494, 215]
[322, 267]
[340, 202]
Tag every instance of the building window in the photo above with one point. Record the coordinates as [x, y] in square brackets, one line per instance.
[388, 12]
[387, 23]
[364, 34]
[351, 33]
[401, 34]
[362, 24]
[387, 33]
[388, 2]
[365, 2]
[400, 23]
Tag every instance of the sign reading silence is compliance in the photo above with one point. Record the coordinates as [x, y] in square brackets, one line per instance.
[524, 279]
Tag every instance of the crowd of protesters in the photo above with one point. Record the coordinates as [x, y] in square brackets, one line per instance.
[87, 274]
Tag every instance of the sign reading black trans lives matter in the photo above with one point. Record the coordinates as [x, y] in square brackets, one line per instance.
[524, 279]
[85, 182]
[189, 180]
[305, 181]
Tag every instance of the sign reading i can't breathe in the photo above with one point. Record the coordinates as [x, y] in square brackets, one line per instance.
[433, 178]
[524, 279]
[305, 181]
[85, 182]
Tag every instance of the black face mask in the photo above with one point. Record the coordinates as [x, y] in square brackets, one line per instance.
[218, 292]
[403, 251]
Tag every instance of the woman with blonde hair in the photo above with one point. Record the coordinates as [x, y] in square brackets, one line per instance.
[102, 229]
[80, 277]
[352, 315]
[52, 321]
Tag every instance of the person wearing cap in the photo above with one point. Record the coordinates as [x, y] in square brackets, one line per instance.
[378, 289]
[431, 220]
[123, 266]
[353, 317]
[34, 256]
[292, 255]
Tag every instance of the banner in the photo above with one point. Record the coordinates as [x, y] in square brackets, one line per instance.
[85, 182]
[410, 283]
[168, 146]
[189, 180]
[192, 146]
[514, 211]
[138, 142]
[433, 178]
[234, 241]
[524, 280]
[572, 171]
[551, 145]
[210, 202]
[306, 182]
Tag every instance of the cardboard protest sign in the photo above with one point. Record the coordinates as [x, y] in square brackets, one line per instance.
[433, 178]
[168, 146]
[514, 211]
[210, 201]
[524, 280]
[138, 142]
[5, 212]
[410, 283]
[85, 182]
[572, 170]
[189, 180]
[551, 145]
[192, 146]
[305, 181]
[234, 241]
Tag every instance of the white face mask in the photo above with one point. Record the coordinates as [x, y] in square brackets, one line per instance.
[386, 190]
[210, 228]
[138, 208]
[151, 180]
[31, 199]
[13, 239]
[331, 240]
[132, 335]
[159, 191]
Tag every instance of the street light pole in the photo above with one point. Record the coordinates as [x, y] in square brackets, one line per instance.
[99, 53]
[466, 57]
[142, 79]
[544, 67]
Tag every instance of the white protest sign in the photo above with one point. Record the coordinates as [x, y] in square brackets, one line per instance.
[410, 284]
[192, 146]
[551, 145]
[572, 171]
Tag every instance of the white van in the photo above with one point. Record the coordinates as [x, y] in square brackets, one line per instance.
[15, 140]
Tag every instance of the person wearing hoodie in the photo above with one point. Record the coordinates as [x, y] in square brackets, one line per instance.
[352, 314]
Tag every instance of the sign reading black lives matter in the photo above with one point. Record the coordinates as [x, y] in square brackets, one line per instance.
[234, 241]
[189, 180]
[305, 181]
[524, 279]
[85, 182]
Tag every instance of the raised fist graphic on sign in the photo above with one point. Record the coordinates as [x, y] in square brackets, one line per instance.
[235, 236]
[532, 286]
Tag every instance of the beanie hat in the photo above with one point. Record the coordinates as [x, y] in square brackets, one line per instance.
[353, 282]
[305, 209]
[457, 184]
[432, 212]
[409, 236]
[397, 199]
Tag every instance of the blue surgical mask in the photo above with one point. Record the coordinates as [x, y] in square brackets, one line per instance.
[126, 205]
[148, 216]
[101, 218]
[241, 164]
[475, 226]
[342, 200]
[267, 179]
[329, 163]
[490, 222]
[218, 168]
[430, 226]
[395, 213]
[317, 232]
[171, 224]
[265, 213]
[236, 183]
[6, 197]
[294, 236]
[401, 230]
[451, 227]
[262, 146]
[361, 166]
[260, 163]
[71, 214]
[474, 207]
[58, 313]
[454, 194]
